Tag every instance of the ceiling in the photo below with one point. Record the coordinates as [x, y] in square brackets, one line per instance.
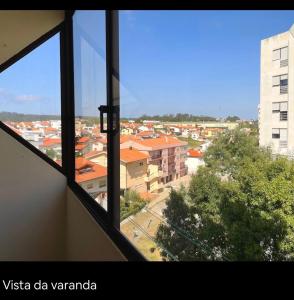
[19, 28]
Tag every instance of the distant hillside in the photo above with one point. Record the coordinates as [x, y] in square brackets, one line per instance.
[177, 118]
[16, 117]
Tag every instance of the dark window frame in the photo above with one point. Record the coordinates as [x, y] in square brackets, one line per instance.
[109, 221]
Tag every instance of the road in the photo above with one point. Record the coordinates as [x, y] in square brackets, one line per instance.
[141, 228]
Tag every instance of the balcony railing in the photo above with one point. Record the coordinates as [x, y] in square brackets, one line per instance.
[151, 176]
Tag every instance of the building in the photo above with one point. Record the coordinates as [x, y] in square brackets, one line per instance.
[92, 178]
[133, 170]
[97, 157]
[276, 108]
[194, 160]
[168, 153]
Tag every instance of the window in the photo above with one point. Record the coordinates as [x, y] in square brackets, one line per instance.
[280, 54]
[279, 133]
[102, 184]
[282, 108]
[90, 93]
[282, 81]
[90, 186]
[30, 101]
[275, 133]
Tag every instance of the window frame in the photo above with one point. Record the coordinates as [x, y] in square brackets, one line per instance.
[280, 53]
[108, 220]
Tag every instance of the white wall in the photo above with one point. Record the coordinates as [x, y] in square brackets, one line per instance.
[85, 239]
[33, 203]
[40, 217]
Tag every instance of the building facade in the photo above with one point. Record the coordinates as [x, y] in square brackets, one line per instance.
[168, 153]
[276, 107]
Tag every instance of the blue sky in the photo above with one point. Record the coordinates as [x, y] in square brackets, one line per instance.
[198, 62]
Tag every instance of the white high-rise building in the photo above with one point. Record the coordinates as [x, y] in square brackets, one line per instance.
[276, 108]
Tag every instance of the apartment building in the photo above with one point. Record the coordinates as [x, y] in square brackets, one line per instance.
[133, 170]
[168, 153]
[92, 178]
[276, 108]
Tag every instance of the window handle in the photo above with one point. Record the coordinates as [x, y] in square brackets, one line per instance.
[105, 109]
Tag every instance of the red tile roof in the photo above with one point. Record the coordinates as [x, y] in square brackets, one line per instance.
[194, 153]
[80, 147]
[83, 139]
[51, 129]
[87, 170]
[47, 142]
[93, 153]
[130, 155]
[162, 142]
[145, 133]
[125, 138]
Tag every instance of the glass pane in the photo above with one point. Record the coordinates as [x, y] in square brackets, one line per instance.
[283, 134]
[284, 106]
[276, 54]
[276, 80]
[276, 106]
[30, 98]
[275, 131]
[284, 77]
[196, 98]
[284, 53]
[90, 93]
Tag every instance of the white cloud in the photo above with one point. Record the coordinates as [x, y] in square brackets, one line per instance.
[28, 98]
[7, 96]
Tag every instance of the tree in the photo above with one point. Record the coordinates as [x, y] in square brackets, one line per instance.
[232, 119]
[246, 214]
[130, 204]
[51, 153]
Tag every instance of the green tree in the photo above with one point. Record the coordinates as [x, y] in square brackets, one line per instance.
[51, 153]
[238, 207]
[130, 204]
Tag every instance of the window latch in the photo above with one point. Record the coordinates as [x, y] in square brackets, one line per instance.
[113, 114]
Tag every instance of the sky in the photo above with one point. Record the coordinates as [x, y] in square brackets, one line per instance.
[197, 62]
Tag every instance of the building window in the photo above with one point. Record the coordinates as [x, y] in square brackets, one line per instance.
[90, 186]
[141, 164]
[282, 108]
[102, 184]
[276, 133]
[281, 54]
[280, 133]
[282, 82]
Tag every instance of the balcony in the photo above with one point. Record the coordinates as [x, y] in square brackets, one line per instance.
[151, 176]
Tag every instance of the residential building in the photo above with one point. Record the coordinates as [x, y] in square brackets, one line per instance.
[92, 178]
[194, 160]
[97, 157]
[276, 108]
[133, 170]
[168, 153]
